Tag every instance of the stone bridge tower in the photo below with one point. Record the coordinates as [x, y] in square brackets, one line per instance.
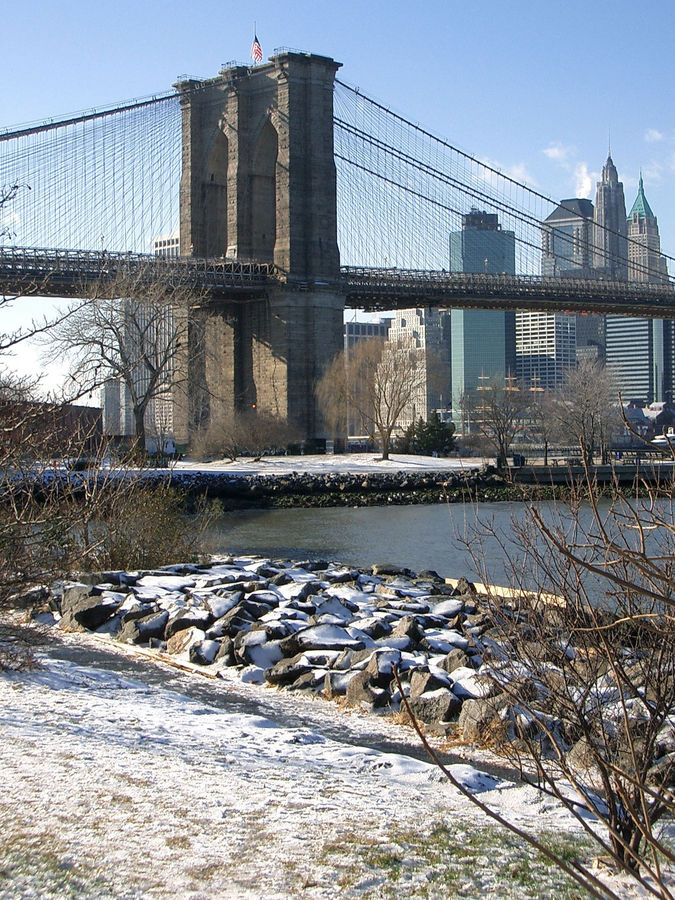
[258, 183]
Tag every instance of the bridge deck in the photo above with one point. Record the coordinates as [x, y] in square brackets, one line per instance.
[383, 289]
[74, 273]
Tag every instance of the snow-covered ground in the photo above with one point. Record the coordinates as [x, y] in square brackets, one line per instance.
[121, 786]
[352, 463]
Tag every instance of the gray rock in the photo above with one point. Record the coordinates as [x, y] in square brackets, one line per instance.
[321, 637]
[286, 671]
[312, 681]
[408, 627]
[203, 653]
[225, 653]
[449, 608]
[439, 705]
[139, 611]
[388, 569]
[422, 681]
[138, 631]
[335, 683]
[237, 619]
[252, 648]
[455, 659]
[381, 665]
[479, 717]
[84, 612]
[73, 593]
[183, 640]
[186, 618]
[362, 692]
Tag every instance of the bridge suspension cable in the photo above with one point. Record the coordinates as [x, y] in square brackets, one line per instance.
[402, 191]
[101, 180]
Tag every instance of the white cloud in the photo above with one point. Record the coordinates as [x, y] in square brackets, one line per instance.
[583, 180]
[652, 136]
[519, 173]
[559, 152]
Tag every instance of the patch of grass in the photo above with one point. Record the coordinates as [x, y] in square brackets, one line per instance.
[450, 863]
[36, 865]
[178, 842]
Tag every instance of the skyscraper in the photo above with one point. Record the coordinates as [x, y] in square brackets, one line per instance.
[610, 249]
[641, 352]
[645, 262]
[483, 342]
[567, 238]
[546, 342]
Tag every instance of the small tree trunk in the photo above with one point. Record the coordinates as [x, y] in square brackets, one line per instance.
[385, 439]
[139, 428]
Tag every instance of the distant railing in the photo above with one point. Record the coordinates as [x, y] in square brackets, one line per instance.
[383, 286]
[71, 271]
[64, 273]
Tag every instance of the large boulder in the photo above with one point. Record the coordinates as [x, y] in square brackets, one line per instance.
[457, 659]
[422, 681]
[286, 671]
[381, 665]
[321, 637]
[480, 719]
[83, 611]
[439, 705]
[186, 618]
[139, 631]
[203, 653]
[335, 683]
[362, 692]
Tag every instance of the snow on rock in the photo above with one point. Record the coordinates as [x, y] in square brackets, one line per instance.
[318, 627]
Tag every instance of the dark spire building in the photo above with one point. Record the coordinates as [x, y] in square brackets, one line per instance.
[610, 251]
[567, 238]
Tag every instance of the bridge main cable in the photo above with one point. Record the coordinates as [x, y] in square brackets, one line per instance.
[50, 125]
[519, 214]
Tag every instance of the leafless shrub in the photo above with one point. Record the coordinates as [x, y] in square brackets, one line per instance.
[255, 433]
[15, 656]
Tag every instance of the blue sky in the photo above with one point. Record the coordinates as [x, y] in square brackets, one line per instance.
[534, 88]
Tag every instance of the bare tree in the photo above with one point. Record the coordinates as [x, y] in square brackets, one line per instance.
[496, 411]
[542, 420]
[132, 330]
[586, 409]
[376, 382]
[580, 658]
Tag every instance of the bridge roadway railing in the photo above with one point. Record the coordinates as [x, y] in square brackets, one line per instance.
[66, 273]
[372, 288]
[73, 273]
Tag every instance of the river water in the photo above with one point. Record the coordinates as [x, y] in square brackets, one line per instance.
[419, 537]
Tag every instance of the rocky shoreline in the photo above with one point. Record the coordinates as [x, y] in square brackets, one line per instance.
[312, 625]
[301, 489]
[339, 632]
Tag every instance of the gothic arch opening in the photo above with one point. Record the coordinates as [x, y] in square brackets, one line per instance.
[263, 194]
[215, 197]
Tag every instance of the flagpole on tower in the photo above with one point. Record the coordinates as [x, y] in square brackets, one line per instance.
[256, 49]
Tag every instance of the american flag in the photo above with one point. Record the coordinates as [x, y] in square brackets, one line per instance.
[256, 50]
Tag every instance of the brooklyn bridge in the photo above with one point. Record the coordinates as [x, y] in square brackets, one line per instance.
[285, 196]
